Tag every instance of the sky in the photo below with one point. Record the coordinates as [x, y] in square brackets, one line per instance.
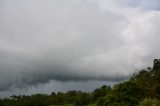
[60, 45]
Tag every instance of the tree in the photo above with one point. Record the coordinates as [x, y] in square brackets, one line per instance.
[101, 92]
[156, 69]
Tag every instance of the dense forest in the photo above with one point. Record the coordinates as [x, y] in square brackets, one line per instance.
[142, 89]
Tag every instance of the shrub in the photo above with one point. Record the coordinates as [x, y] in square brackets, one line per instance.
[150, 102]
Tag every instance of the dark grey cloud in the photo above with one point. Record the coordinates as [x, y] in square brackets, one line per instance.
[66, 41]
[56, 40]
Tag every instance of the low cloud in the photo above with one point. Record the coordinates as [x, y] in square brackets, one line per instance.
[71, 40]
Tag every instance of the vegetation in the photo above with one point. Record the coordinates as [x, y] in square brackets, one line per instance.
[150, 102]
[142, 89]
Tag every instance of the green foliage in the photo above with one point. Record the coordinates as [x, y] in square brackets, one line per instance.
[150, 102]
[123, 94]
[101, 92]
[146, 102]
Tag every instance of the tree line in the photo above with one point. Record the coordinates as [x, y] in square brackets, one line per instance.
[142, 89]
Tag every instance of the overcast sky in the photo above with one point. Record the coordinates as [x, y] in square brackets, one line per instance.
[58, 45]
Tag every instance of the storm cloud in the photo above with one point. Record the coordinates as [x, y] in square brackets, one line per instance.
[74, 40]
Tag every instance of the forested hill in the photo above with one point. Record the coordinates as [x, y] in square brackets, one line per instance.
[142, 89]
